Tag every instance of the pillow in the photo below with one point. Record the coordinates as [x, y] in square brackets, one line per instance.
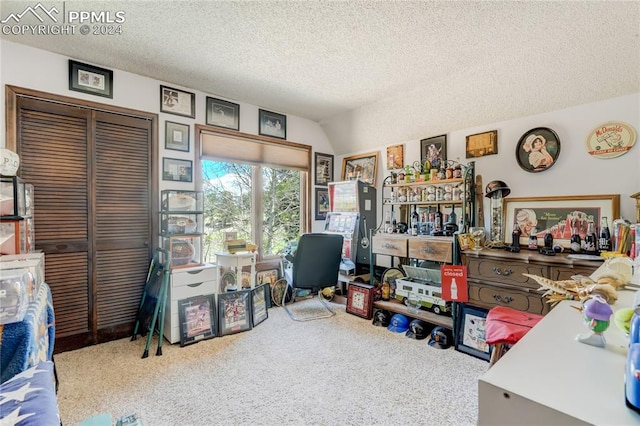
[29, 398]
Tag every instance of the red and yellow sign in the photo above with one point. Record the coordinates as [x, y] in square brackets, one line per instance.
[611, 139]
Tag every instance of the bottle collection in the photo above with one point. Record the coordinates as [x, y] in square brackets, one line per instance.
[424, 221]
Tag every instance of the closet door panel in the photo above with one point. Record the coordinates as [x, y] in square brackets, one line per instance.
[53, 153]
[122, 219]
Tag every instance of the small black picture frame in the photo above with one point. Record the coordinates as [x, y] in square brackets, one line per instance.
[322, 203]
[259, 297]
[90, 79]
[324, 169]
[272, 124]
[234, 312]
[198, 319]
[177, 170]
[471, 332]
[434, 150]
[177, 102]
[176, 136]
[538, 149]
[222, 113]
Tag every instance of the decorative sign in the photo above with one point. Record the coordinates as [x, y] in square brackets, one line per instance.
[454, 283]
[611, 139]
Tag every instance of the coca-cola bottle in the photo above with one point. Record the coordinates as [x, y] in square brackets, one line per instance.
[576, 242]
[515, 236]
[591, 239]
[533, 239]
[604, 240]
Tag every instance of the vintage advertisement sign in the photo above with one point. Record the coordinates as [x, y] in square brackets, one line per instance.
[454, 283]
[611, 139]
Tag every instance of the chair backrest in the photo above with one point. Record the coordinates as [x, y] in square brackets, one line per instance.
[317, 261]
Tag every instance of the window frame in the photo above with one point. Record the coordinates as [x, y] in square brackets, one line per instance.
[305, 175]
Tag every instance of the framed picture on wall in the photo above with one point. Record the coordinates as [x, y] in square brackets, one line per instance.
[176, 136]
[177, 170]
[90, 79]
[178, 102]
[363, 167]
[272, 124]
[322, 203]
[538, 149]
[324, 168]
[223, 113]
[434, 150]
[395, 157]
[482, 144]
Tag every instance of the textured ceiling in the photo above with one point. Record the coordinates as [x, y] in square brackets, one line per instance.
[373, 73]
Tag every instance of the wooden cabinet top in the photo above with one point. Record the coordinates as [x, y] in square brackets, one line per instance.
[531, 256]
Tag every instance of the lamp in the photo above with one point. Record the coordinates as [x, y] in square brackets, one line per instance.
[496, 190]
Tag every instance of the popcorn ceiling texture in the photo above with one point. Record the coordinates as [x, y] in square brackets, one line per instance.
[336, 371]
[375, 73]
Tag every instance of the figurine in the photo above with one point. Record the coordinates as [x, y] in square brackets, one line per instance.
[597, 313]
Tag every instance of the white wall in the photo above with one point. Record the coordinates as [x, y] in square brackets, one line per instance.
[38, 69]
[575, 171]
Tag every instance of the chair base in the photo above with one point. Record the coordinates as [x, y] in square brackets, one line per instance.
[328, 313]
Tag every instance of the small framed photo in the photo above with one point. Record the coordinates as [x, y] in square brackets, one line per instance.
[322, 203]
[259, 299]
[178, 102]
[223, 114]
[90, 79]
[537, 150]
[234, 312]
[363, 167]
[395, 157]
[324, 169]
[434, 150]
[268, 276]
[176, 136]
[482, 144]
[177, 170]
[470, 335]
[360, 300]
[272, 124]
[198, 319]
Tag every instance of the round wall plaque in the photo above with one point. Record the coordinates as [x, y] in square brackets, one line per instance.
[611, 139]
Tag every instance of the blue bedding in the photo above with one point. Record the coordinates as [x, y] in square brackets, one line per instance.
[26, 343]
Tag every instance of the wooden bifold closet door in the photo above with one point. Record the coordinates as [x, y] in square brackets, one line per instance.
[93, 185]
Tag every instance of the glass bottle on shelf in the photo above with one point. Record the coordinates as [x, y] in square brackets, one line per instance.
[415, 218]
[591, 239]
[575, 245]
[533, 239]
[515, 236]
[604, 240]
[548, 240]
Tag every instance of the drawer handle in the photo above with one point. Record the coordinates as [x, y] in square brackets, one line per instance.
[428, 250]
[389, 246]
[194, 285]
[505, 272]
[499, 298]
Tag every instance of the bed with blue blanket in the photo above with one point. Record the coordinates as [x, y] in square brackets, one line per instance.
[26, 343]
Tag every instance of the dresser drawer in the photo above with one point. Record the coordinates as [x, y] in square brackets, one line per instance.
[504, 271]
[558, 273]
[488, 296]
[184, 277]
[435, 249]
[389, 244]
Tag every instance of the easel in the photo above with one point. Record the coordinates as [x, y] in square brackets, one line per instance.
[154, 300]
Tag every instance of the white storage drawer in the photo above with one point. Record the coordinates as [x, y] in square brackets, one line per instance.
[187, 276]
[185, 283]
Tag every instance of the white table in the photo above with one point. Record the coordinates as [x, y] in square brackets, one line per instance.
[550, 378]
[236, 261]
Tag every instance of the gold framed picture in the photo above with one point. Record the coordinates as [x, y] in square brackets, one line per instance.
[363, 167]
[482, 144]
[395, 157]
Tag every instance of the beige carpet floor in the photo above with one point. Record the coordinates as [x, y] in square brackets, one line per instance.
[336, 371]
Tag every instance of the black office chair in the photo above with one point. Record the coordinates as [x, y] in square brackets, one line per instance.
[315, 266]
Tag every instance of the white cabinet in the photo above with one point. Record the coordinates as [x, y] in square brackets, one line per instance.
[184, 283]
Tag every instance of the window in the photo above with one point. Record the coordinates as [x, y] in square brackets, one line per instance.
[264, 202]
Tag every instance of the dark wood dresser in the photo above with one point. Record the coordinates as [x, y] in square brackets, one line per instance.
[495, 277]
